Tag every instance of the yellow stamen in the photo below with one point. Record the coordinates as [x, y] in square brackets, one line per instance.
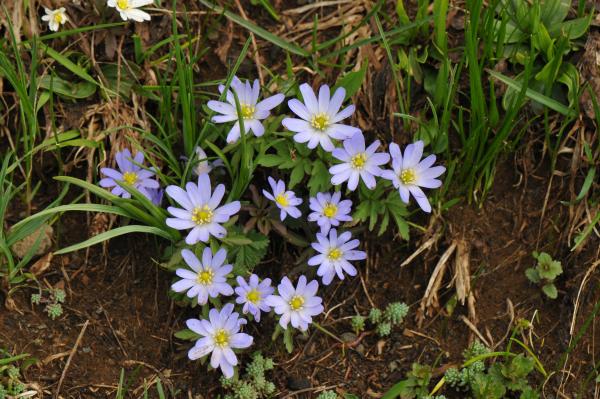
[202, 215]
[247, 111]
[58, 18]
[408, 176]
[123, 4]
[320, 121]
[205, 277]
[296, 302]
[282, 200]
[253, 296]
[358, 161]
[334, 254]
[130, 177]
[221, 338]
[330, 210]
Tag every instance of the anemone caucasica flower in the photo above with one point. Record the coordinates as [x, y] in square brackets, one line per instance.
[252, 295]
[297, 304]
[204, 165]
[329, 211]
[55, 18]
[201, 211]
[410, 173]
[220, 334]
[251, 110]
[286, 201]
[208, 277]
[335, 252]
[130, 173]
[319, 118]
[129, 9]
[358, 162]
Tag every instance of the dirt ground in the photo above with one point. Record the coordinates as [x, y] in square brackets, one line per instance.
[122, 295]
[118, 314]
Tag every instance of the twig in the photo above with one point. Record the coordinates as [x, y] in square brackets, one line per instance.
[64, 372]
[476, 331]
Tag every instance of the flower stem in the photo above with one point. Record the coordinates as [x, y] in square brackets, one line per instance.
[327, 332]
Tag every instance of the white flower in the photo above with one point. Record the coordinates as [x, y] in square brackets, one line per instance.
[220, 334]
[285, 200]
[319, 118]
[358, 163]
[410, 173]
[129, 9]
[253, 294]
[208, 278]
[334, 254]
[204, 166]
[55, 18]
[252, 111]
[329, 210]
[296, 305]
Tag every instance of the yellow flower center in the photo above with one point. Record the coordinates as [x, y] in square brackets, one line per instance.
[330, 210]
[282, 200]
[202, 215]
[358, 161]
[334, 254]
[253, 296]
[296, 302]
[58, 18]
[123, 4]
[205, 277]
[408, 176]
[221, 338]
[320, 121]
[130, 177]
[247, 111]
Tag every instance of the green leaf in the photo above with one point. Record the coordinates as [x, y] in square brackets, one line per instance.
[119, 231]
[288, 340]
[532, 275]
[550, 291]
[67, 63]
[352, 80]
[186, 335]
[296, 175]
[270, 160]
[587, 183]
[249, 249]
[533, 95]
[265, 34]
[320, 180]
[67, 89]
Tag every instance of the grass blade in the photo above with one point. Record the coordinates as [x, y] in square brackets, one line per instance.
[119, 231]
[533, 95]
[257, 30]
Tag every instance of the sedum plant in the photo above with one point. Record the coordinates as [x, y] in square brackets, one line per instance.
[254, 384]
[544, 273]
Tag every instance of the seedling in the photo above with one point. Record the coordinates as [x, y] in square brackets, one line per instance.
[544, 273]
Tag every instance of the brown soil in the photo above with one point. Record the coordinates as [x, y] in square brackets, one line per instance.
[132, 320]
[122, 295]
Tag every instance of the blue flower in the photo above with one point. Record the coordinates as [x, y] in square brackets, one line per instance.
[409, 173]
[357, 163]
[220, 335]
[130, 173]
[334, 255]
[297, 305]
[320, 117]
[201, 211]
[208, 278]
[329, 210]
[285, 200]
[252, 111]
[253, 294]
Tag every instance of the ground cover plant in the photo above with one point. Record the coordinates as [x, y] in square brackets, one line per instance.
[299, 199]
